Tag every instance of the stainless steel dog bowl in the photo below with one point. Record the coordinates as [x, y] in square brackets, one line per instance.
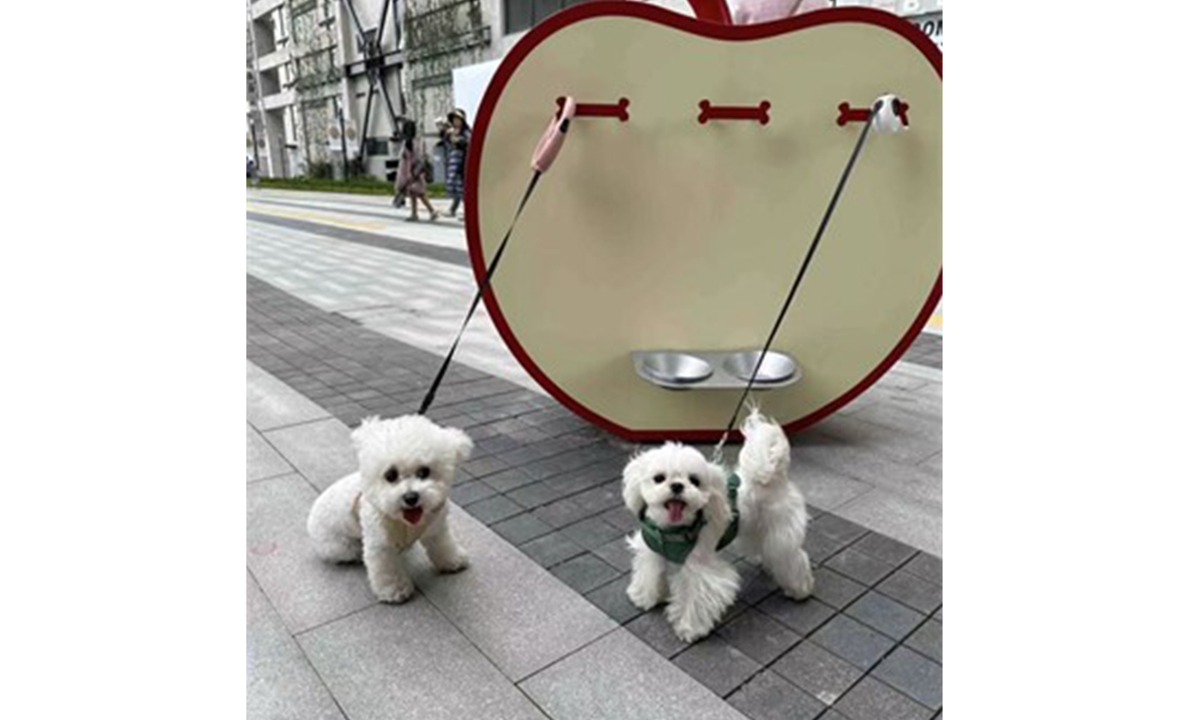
[675, 367]
[714, 369]
[776, 366]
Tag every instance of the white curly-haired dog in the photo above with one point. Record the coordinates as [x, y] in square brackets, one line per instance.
[398, 496]
[683, 503]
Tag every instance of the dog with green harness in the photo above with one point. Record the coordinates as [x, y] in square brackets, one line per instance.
[689, 509]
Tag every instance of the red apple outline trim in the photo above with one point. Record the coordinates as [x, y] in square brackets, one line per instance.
[578, 13]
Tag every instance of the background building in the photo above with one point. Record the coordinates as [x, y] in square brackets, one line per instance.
[326, 74]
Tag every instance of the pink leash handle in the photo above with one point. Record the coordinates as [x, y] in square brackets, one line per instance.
[552, 139]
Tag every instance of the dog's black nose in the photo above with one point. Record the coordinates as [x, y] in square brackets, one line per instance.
[676, 488]
[410, 498]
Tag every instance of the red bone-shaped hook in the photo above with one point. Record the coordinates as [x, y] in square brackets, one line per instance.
[758, 112]
[619, 109]
[848, 114]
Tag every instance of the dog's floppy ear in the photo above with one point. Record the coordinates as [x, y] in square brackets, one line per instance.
[717, 509]
[631, 479]
[461, 443]
[366, 431]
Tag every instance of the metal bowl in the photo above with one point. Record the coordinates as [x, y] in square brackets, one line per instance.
[776, 366]
[675, 367]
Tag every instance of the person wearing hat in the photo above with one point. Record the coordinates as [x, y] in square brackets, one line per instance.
[457, 137]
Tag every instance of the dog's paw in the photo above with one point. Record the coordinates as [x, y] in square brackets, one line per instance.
[642, 598]
[453, 564]
[800, 592]
[395, 592]
[689, 631]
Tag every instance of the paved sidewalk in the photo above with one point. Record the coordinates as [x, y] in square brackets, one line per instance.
[344, 322]
[503, 639]
[878, 461]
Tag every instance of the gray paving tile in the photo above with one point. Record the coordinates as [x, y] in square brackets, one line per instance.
[409, 662]
[592, 533]
[620, 517]
[926, 566]
[756, 583]
[508, 480]
[826, 488]
[306, 590]
[718, 665]
[878, 469]
[769, 697]
[834, 589]
[758, 636]
[619, 677]
[321, 450]
[820, 547]
[616, 553]
[885, 615]
[914, 521]
[881, 547]
[493, 509]
[872, 700]
[856, 566]
[914, 675]
[512, 610]
[521, 528]
[537, 494]
[838, 528]
[466, 492]
[601, 498]
[551, 549]
[803, 616]
[852, 641]
[279, 681]
[927, 640]
[817, 671]
[261, 459]
[856, 431]
[584, 573]
[653, 629]
[913, 420]
[912, 591]
[562, 513]
[938, 614]
[611, 598]
[270, 403]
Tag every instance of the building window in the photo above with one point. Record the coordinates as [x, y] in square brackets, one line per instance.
[520, 15]
[377, 146]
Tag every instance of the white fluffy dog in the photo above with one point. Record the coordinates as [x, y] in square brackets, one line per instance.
[682, 501]
[397, 497]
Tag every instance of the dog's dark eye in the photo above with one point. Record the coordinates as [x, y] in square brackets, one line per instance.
[422, 472]
[659, 478]
[391, 475]
[695, 480]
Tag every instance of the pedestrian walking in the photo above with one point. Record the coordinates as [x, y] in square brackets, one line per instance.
[412, 174]
[457, 138]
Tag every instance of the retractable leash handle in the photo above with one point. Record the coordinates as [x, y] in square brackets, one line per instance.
[552, 140]
[543, 157]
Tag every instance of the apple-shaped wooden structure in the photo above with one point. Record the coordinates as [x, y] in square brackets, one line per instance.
[697, 169]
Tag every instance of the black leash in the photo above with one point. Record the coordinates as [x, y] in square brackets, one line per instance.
[483, 286]
[837, 194]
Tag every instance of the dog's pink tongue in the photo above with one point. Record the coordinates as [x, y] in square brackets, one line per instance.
[675, 510]
[412, 516]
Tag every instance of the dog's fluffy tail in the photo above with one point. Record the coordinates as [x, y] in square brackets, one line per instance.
[766, 454]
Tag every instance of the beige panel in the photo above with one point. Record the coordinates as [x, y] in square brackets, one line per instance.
[664, 233]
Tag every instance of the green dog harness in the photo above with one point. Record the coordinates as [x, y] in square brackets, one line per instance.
[675, 544]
